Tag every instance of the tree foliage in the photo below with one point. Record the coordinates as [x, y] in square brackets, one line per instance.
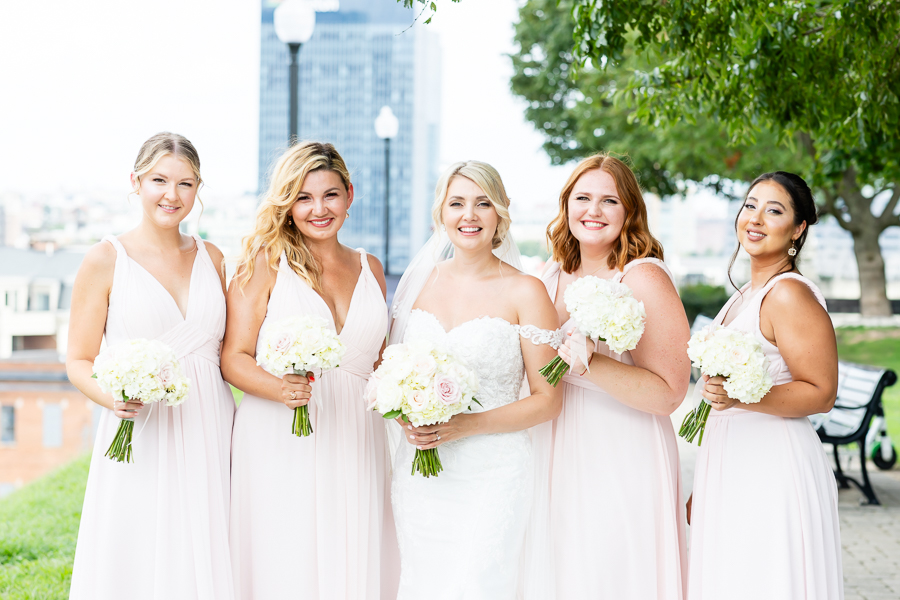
[576, 108]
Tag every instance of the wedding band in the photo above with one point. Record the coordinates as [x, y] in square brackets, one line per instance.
[293, 395]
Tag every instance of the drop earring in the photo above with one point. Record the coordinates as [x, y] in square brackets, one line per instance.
[792, 251]
[348, 213]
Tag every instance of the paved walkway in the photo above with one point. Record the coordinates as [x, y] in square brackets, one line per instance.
[870, 535]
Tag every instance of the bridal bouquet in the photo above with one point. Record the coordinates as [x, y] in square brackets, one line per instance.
[424, 385]
[144, 370]
[721, 352]
[299, 345]
[604, 310]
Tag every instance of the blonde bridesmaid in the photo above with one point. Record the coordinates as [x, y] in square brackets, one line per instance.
[156, 528]
[764, 516]
[616, 518]
[310, 517]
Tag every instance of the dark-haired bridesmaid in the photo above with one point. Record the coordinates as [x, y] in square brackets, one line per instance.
[765, 518]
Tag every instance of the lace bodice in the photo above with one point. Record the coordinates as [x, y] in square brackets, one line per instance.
[488, 345]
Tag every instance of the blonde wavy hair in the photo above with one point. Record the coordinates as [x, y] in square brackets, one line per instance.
[488, 179]
[272, 232]
[635, 240]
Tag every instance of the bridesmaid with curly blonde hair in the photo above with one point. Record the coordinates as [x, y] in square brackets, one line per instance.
[310, 517]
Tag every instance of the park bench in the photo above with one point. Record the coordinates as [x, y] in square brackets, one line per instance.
[858, 402]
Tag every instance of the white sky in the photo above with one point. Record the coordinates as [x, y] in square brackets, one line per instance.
[84, 83]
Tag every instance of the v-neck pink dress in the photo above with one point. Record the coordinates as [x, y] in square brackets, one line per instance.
[764, 520]
[157, 528]
[310, 516]
[617, 523]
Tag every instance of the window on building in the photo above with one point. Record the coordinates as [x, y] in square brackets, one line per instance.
[7, 424]
[40, 302]
[52, 426]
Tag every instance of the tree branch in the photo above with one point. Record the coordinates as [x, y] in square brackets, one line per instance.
[807, 142]
[888, 217]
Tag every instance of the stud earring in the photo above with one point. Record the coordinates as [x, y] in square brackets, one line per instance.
[792, 251]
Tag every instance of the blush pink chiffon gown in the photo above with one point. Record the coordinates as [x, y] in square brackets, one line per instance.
[764, 516]
[617, 523]
[310, 516]
[157, 528]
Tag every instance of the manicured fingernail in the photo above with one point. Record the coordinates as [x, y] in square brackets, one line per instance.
[412, 437]
[418, 447]
[409, 427]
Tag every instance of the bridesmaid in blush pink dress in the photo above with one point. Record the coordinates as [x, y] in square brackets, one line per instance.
[310, 516]
[157, 528]
[764, 514]
[616, 525]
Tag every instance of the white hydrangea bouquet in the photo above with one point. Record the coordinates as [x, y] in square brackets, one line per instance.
[300, 345]
[425, 385]
[604, 310]
[140, 369]
[721, 352]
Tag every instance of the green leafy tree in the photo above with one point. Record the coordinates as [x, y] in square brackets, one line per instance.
[725, 89]
[824, 73]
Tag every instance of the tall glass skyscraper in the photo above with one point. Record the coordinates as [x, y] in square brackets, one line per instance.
[362, 57]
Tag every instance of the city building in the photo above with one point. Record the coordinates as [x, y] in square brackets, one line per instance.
[44, 421]
[35, 290]
[365, 55]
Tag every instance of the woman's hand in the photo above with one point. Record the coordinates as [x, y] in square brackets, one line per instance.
[432, 436]
[567, 353]
[127, 410]
[714, 391]
[295, 390]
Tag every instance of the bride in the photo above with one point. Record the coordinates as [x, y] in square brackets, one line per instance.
[462, 533]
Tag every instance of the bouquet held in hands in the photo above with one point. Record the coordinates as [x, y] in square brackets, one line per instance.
[300, 345]
[604, 310]
[738, 357]
[143, 371]
[424, 385]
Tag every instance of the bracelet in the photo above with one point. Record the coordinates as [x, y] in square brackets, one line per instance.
[590, 360]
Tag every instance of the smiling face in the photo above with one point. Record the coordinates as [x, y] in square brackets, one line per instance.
[321, 206]
[167, 191]
[596, 212]
[765, 225]
[468, 215]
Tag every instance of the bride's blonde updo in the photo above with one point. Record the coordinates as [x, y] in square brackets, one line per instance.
[273, 233]
[488, 179]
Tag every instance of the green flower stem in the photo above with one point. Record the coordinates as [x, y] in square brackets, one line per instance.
[695, 422]
[120, 449]
[427, 462]
[302, 426]
[554, 370]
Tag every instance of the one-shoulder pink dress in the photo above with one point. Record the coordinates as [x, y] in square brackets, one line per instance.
[157, 528]
[764, 520]
[617, 520]
[310, 516]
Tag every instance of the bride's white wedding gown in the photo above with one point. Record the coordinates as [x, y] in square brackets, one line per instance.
[461, 533]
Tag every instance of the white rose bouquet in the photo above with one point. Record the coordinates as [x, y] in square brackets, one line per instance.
[145, 370]
[424, 385]
[300, 345]
[721, 352]
[604, 310]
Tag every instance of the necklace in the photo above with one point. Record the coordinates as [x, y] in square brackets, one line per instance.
[581, 266]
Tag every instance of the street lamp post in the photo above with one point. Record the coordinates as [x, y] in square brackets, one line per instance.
[294, 23]
[386, 126]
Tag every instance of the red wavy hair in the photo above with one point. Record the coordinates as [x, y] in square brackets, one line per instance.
[635, 240]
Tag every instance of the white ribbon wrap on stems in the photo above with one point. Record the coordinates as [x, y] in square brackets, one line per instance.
[579, 348]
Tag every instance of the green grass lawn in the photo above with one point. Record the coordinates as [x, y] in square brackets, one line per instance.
[880, 347]
[38, 529]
